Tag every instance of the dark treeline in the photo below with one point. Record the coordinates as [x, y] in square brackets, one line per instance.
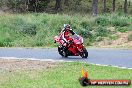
[62, 5]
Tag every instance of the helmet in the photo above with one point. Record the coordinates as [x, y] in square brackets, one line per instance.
[67, 27]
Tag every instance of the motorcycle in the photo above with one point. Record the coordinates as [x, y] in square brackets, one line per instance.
[74, 47]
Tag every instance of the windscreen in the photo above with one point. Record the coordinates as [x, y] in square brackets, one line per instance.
[75, 37]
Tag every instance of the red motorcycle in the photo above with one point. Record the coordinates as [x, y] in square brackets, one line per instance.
[74, 47]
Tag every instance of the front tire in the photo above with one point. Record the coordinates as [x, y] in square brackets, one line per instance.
[62, 52]
[85, 53]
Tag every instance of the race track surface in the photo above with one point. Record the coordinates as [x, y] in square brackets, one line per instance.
[114, 57]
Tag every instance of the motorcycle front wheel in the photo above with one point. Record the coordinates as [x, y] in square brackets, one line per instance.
[62, 52]
[84, 54]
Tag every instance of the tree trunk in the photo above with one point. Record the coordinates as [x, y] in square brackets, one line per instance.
[125, 6]
[129, 4]
[104, 6]
[27, 3]
[66, 2]
[113, 5]
[95, 7]
[32, 5]
[58, 5]
[35, 5]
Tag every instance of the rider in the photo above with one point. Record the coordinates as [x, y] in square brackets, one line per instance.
[65, 34]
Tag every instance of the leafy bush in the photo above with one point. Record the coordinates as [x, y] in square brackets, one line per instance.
[119, 22]
[87, 35]
[103, 21]
[101, 31]
[25, 27]
[123, 29]
[5, 42]
[85, 24]
[85, 32]
[113, 37]
[29, 29]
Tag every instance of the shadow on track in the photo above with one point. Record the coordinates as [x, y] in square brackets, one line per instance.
[73, 58]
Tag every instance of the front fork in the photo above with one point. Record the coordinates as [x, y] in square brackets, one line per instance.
[80, 48]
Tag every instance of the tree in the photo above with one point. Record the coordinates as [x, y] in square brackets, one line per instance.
[113, 5]
[104, 6]
[129, 3]
[32, 5]
[58, 5]
[95, 7]
[66, 2]
[125, 6]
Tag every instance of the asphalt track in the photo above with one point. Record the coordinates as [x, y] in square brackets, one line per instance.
[113, 57]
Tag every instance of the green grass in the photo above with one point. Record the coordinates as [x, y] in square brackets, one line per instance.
[38, 29]
[64, 76]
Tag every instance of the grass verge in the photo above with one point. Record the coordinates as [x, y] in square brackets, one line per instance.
[39, 29]
[64, 75]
